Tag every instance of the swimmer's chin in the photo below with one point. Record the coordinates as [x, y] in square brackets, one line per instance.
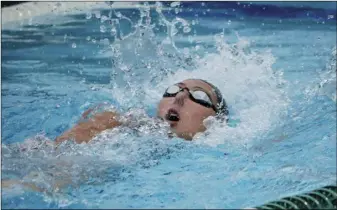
[186, 136]
[172, 124]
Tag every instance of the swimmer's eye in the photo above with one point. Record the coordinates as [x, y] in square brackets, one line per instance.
[197, 96]
[173, 90]
[201, 97]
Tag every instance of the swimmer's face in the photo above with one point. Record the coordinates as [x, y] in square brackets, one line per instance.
[184, 115]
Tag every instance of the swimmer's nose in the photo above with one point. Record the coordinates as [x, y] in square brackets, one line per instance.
[181, 97]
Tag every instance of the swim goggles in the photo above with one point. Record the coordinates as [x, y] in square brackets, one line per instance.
[198, 96]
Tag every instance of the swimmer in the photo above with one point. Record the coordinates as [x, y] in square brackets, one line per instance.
[184, 106]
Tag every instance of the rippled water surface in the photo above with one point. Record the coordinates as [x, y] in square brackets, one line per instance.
[276, 67]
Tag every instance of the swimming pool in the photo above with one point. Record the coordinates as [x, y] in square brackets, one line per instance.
[275, 66]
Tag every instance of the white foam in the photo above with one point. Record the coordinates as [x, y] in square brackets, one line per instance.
[327, 85]
[249, 85]
[254, 91]
[22, 14]
[310, 4]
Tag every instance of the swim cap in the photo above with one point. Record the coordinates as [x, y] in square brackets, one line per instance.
[221, 106]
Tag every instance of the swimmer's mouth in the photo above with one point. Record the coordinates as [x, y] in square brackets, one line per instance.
[172, 115]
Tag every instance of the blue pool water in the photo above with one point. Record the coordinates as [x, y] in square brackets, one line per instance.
[275, 64]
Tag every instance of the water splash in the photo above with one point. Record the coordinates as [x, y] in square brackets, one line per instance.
[327, 86]
[146, 59]
[255, 92]
[111, 156]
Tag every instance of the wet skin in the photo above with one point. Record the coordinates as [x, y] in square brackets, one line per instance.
[191, 115]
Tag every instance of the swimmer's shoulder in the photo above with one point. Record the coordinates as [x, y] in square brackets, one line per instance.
[90, 126]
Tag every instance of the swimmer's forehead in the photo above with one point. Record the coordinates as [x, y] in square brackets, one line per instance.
[195, 83]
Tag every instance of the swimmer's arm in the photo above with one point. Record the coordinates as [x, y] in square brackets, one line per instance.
[54, 186]
[11, 183]
[59, 184]
[86, 130]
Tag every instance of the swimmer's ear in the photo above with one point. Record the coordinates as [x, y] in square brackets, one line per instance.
[222, 117]
[223, 114]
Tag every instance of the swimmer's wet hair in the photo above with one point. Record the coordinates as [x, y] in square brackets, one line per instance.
[221, 106]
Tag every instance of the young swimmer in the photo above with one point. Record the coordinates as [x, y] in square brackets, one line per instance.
[184, 106]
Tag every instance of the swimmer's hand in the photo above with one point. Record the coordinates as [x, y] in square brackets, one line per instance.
[13, 183]
[84, 131]
[86, 114]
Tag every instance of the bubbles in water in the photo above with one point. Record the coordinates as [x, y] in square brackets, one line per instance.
[175, 4]
[88, 15]
[174, 31]
[97, 14]
[102, 29]
[106, 41]
[104, 18]
[113, 31]
[73, 45]
[159, 6]
[118, 14]
[186, 29]
[116, 50]
[147, 20]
